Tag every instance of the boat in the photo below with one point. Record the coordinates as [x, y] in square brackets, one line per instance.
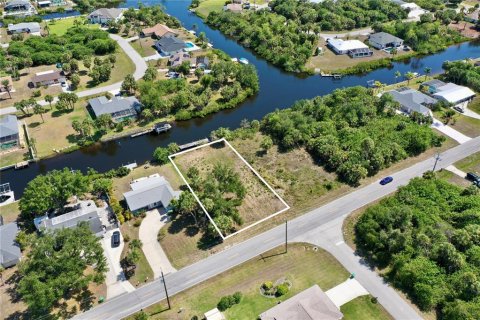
[162, 127]
[234, 59]
[243, 60]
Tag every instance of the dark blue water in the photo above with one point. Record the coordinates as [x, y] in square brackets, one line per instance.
[60, 15]
[277, 90]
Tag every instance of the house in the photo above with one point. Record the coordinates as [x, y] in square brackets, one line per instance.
[19, 8]
[177, 59]
[24, 27]
[234, 7]
[48, 78]
[9, 133]
[105, 15]
[10, 253]
[150, 192]
[382, 40]
[414, 10]
[310, 304]
[448, 92]
[203, 62]
[168, 45]
[354, 48]
[50, 3]
[159, 30]
[119, 108]
[411, 100]
[83, 211]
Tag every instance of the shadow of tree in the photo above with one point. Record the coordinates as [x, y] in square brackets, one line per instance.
[34, 124]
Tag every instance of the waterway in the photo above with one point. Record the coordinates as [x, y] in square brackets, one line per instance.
[277, 90]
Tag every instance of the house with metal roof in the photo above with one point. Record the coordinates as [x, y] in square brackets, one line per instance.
[411, 100]
[119, 108]
[310, 304]
[104, 15]
[9, 132]
[84, 211]
[150, 192]
[170, 45]
[10, 253]
[354, 48]
[21, 8]
[448, 92]
[382, 40]
[24, 27]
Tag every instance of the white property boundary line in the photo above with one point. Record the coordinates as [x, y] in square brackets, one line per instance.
[170, 157]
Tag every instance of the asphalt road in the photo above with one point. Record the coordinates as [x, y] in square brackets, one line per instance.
[311, 224]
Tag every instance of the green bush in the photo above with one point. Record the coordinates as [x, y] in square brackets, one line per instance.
[229, 301]
[237, 297]
[282, 289]
[267, 285]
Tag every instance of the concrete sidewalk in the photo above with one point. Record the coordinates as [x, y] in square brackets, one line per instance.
[457, 171]
[154, 253]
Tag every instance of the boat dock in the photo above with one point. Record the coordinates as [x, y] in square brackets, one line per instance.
[331, 75]
[162, 127]
[141, 133]
[21, 165]
[193, 144]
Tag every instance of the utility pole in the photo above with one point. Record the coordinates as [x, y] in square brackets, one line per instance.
[166, 292]
[437, 158]
[286, 236]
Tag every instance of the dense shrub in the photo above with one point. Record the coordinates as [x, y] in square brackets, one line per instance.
[282, 289]
[463, 73]
[229, 301]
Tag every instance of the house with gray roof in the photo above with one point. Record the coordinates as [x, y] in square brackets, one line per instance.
[383, 40]
[448, 92]
[84, 211]
[104, 15]
[150, 192]
[170, 45]
[10, 253]
[24, 27]
[21, 8]
[411, 100]
[9, 132]
[310, 304]
[119, 108]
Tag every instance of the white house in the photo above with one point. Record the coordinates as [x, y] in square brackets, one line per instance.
[354, 48]
[449, 92]
[104, 15]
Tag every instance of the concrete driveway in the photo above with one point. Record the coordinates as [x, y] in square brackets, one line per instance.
[154, 253]
[449, 131]
[115, 280]
[346, 292]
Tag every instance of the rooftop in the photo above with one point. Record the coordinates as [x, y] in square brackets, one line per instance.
[47, 76]
[33, 26]
[453, 93]
[111, 13]
[159, 30]
[346, 45]
[310, 304]
[435, 83]
[8, 125]
[412, 99]
[9, 249]
[102, 105]
[384, 38]
[170, 44]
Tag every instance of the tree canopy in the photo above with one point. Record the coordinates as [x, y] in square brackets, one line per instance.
[428, 235]
[463, 73]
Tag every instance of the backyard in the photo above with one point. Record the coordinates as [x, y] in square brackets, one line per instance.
[303, 265]
[144, 46]
[60, 26]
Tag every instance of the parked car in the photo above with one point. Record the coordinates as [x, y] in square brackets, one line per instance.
[386, 180]
[473, 177]
[115, 239]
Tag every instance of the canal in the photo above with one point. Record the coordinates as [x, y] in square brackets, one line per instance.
[277, 90]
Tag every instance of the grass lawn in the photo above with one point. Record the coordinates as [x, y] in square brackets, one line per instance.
[143, 270]
[9, 212]
[302, 265]
[60, 27]
[144, 46]
[363, 308]
[7, 159]
[208, 6]
[471, 163]
[475, 104]
[259, 201]
[466, 125]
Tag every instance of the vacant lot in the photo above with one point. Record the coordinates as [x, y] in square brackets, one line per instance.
[144, 46]
[302, 265]
[60, 27]
[259, 202]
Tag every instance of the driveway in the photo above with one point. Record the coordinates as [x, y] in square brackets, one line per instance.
[115, 280]
[449, 131]
[346, 292]
[457, 171]
[147, 233]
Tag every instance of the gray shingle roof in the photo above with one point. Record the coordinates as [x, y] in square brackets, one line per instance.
[149, 191]
[435, 83]
[31, 26]
[106, 13]
[101, 105]
[9, 250]
[413, 100]
[384, 38]
[8, 126]
[170, 44]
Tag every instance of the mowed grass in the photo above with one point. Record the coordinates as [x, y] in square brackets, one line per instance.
[259, 202]
[302, 265]
[475, 104]
[466, 125]
[13, 157]
[10, 212]
[470, 163]
[144, 46]
[208, 6]
[363, 308]
[60, 27]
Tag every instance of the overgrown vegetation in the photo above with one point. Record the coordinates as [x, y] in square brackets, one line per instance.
[427, 235]
[87, 6]
[463, 73]
[351, 132]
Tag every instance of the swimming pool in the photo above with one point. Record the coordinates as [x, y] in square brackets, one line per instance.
[189, 45]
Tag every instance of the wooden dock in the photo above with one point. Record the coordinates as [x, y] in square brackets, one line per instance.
[331, 75]
[141, 133]
[21, 165]
[193, 144]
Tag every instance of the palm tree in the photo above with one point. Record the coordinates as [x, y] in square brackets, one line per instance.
[398, 74]
[38, 109]
[427, 71]
[7, 87]
[409, 75]
[49, 99]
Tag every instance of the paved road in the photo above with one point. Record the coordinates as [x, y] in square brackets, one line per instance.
[309, 223]
[140, 68]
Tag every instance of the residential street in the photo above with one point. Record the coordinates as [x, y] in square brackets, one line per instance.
[311, 226]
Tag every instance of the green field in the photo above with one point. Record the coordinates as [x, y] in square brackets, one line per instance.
[9, 212]
[471, 163]
[302, 266]
[60, 27]
[208, 6]
[363, 308]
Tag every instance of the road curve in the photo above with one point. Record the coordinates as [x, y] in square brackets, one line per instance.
[189, 276]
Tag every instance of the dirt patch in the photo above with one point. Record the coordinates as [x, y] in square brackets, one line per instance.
[466, 29]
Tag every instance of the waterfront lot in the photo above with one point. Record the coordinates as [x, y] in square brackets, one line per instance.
[60, 26]
[303, 265]
[144, 46]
